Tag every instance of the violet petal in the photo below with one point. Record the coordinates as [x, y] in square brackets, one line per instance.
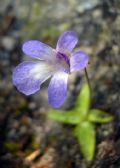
[57, 90]
[78, 61]
[28, 76]
[67, 41]
[37, 49]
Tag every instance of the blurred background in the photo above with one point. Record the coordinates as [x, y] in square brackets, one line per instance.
[28, 139]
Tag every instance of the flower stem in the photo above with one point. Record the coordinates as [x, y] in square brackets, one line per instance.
[87, 78]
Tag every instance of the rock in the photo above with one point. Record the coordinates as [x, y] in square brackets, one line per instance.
[8, 42]
[86, 5]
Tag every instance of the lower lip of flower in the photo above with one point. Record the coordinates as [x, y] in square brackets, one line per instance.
[63, 62]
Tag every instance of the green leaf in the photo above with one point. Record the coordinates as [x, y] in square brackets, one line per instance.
[83, 101]
[99, 116]
[70, 117]
[85, 132]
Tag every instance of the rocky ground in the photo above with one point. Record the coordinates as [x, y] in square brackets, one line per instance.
[28, 139]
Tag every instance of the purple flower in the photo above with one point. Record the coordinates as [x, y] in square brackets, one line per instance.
[58, 63]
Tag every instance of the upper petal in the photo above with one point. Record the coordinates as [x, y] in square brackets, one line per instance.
[57, 90]
[37, 49]
[67, 41]
[78, 61]
[28, 76]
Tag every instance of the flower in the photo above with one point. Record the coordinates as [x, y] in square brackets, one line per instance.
[48, 62]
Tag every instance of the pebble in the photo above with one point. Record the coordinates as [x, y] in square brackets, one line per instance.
[8, 43]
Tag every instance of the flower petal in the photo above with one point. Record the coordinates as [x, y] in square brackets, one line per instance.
[57, 90]
[78, 61]
[28, 76]
[37, 49]
[67, 41]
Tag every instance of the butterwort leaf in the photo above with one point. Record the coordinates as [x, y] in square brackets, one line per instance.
[85, 133]
[70, 117]
[83, 101]
[99, 116]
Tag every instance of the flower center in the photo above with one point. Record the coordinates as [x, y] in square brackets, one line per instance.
[63, 62]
